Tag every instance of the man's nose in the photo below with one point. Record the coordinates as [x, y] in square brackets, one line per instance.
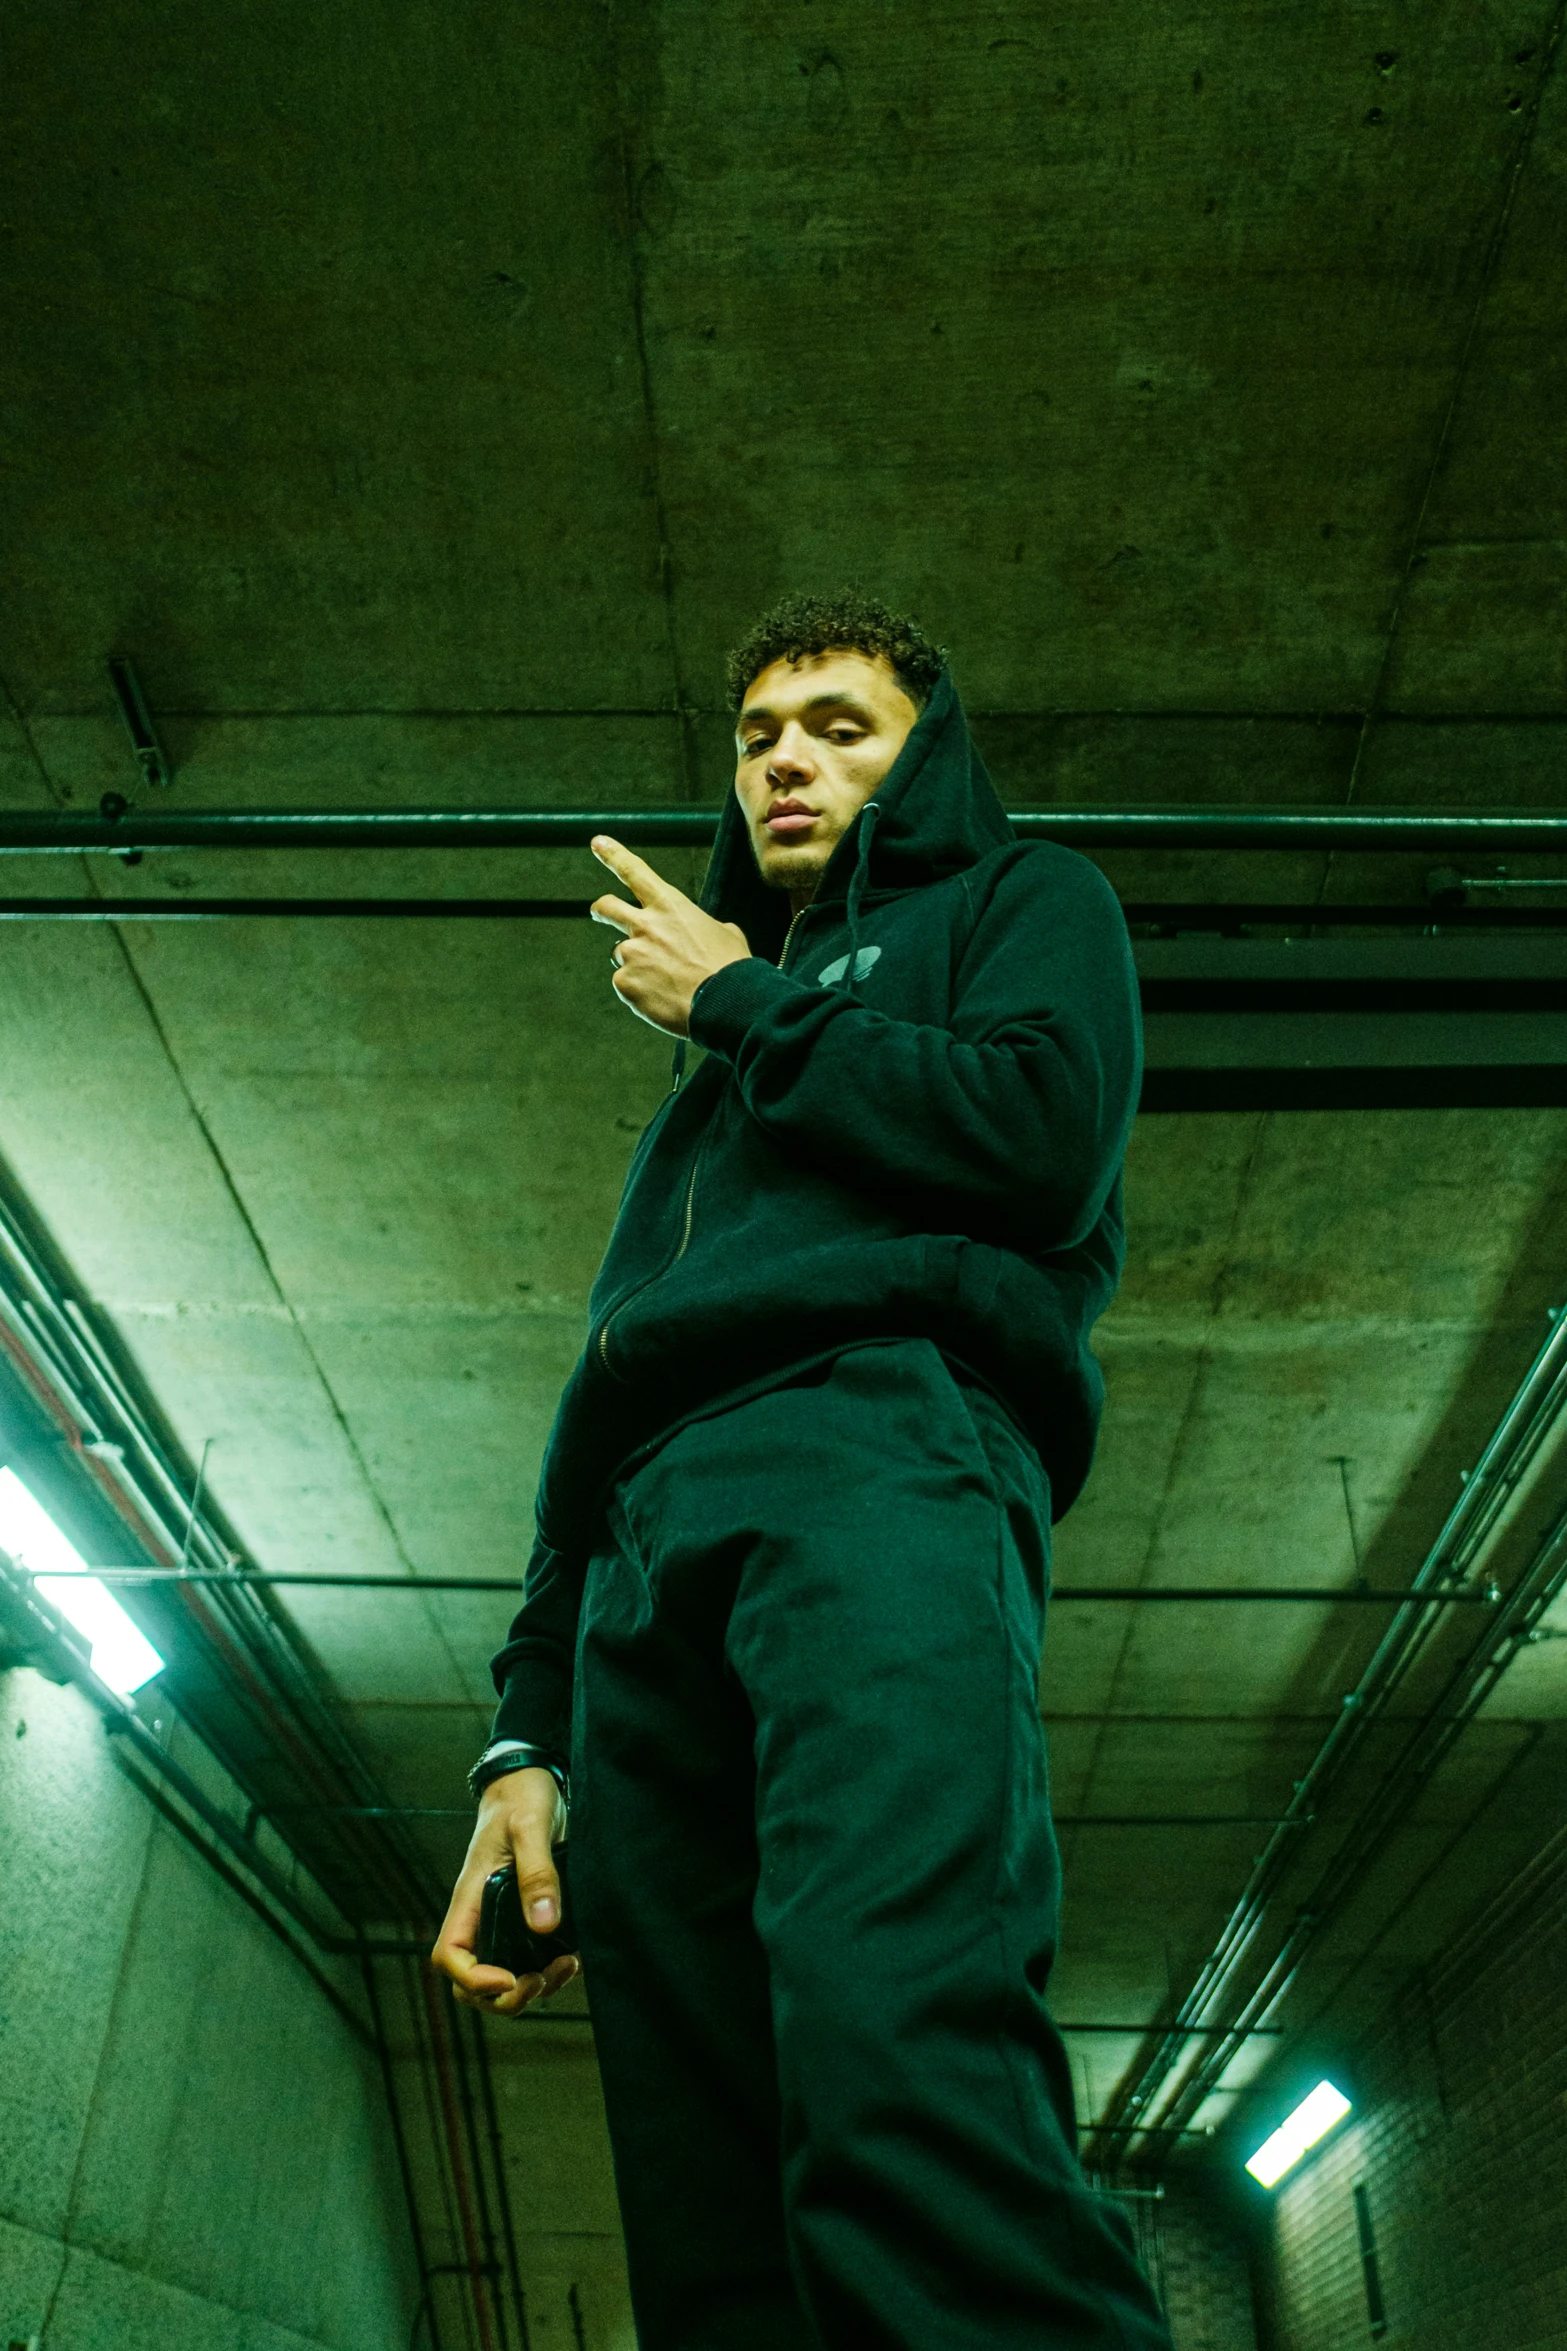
[791, 761]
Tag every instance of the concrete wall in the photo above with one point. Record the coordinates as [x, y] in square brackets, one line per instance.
[1460, 2140]
[194, 2154]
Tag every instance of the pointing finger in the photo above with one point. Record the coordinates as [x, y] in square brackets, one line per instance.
[634, 871]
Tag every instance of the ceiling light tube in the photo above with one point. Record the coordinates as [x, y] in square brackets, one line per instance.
[1312, 2120]
[122, 1655]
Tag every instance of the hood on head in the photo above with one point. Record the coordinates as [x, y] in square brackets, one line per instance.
[938, 813]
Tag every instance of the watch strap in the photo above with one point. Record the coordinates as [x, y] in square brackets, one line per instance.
[507, 1755]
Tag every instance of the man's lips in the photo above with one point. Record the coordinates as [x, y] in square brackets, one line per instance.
[788, 817]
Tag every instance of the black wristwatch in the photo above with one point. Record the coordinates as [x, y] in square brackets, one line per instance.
[505, 1755]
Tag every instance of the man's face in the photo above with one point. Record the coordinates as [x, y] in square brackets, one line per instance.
[813, 741]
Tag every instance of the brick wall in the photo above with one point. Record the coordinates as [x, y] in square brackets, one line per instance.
[1460, 2142]
[1207, 2267]
[1193, 2243]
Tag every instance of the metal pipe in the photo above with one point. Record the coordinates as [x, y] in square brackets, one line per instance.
[1321, 1595]
[1148, 2130]
[492, 2120]
[165, 1805]
[25, 832]
[231, 909]
[1326, 1595]
[270, 1697]
[1166, 915]
[33, 1631]
[1260, 2031]
[1173, 1820]
[1063, 1820]
[34, 1628]
[1227, 915]
[152, 761]
[1534, 1410]
[541, 2013]
[479, 2275]
[399, 2135]
[127, 1725]
[481, 2192]
[1452, 1708]
[1367, 1947]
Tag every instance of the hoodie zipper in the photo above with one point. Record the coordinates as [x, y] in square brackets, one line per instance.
[690, 1205]
[795, 922]
[685, 1243]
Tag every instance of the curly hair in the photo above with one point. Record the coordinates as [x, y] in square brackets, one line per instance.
[844, 622]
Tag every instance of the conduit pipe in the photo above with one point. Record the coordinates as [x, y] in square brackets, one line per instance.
[79, 1387]
[1487, 1490]
[1333, 1595]
[400, 2145]
[476, 2268]
[33, 1632]
[118, 828]
[1462, 1695]
[492, 2124]
[1126, 2032]
[1063, 1820]
[1165, 915]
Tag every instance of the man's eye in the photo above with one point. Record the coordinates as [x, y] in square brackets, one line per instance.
[756, 744]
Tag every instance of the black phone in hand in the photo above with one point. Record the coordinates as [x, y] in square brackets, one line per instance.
[505, 1937]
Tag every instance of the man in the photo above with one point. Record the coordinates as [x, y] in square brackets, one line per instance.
[785, 1609]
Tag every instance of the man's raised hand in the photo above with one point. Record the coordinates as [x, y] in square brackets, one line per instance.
[668, 945]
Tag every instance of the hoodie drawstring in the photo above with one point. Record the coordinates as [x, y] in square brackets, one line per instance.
[870, 815]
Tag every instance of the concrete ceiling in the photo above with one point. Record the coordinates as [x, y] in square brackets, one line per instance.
[424, 401]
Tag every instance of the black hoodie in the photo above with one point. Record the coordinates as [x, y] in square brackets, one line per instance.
[914, 1127]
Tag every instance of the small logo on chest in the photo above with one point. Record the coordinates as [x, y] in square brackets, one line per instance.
[833, 972]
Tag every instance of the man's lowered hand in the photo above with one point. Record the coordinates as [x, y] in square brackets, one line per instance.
[519, 1814]
[668, 945]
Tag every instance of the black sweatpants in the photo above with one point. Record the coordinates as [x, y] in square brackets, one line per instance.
[817, 1883]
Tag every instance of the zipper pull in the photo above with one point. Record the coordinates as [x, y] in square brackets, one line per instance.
[794, 922]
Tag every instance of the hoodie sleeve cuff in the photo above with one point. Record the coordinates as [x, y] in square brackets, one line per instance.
[535, 1705]
[725, 1005]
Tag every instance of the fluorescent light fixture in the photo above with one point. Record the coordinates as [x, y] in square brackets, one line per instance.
[1312, 2120]
[122, 1655]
